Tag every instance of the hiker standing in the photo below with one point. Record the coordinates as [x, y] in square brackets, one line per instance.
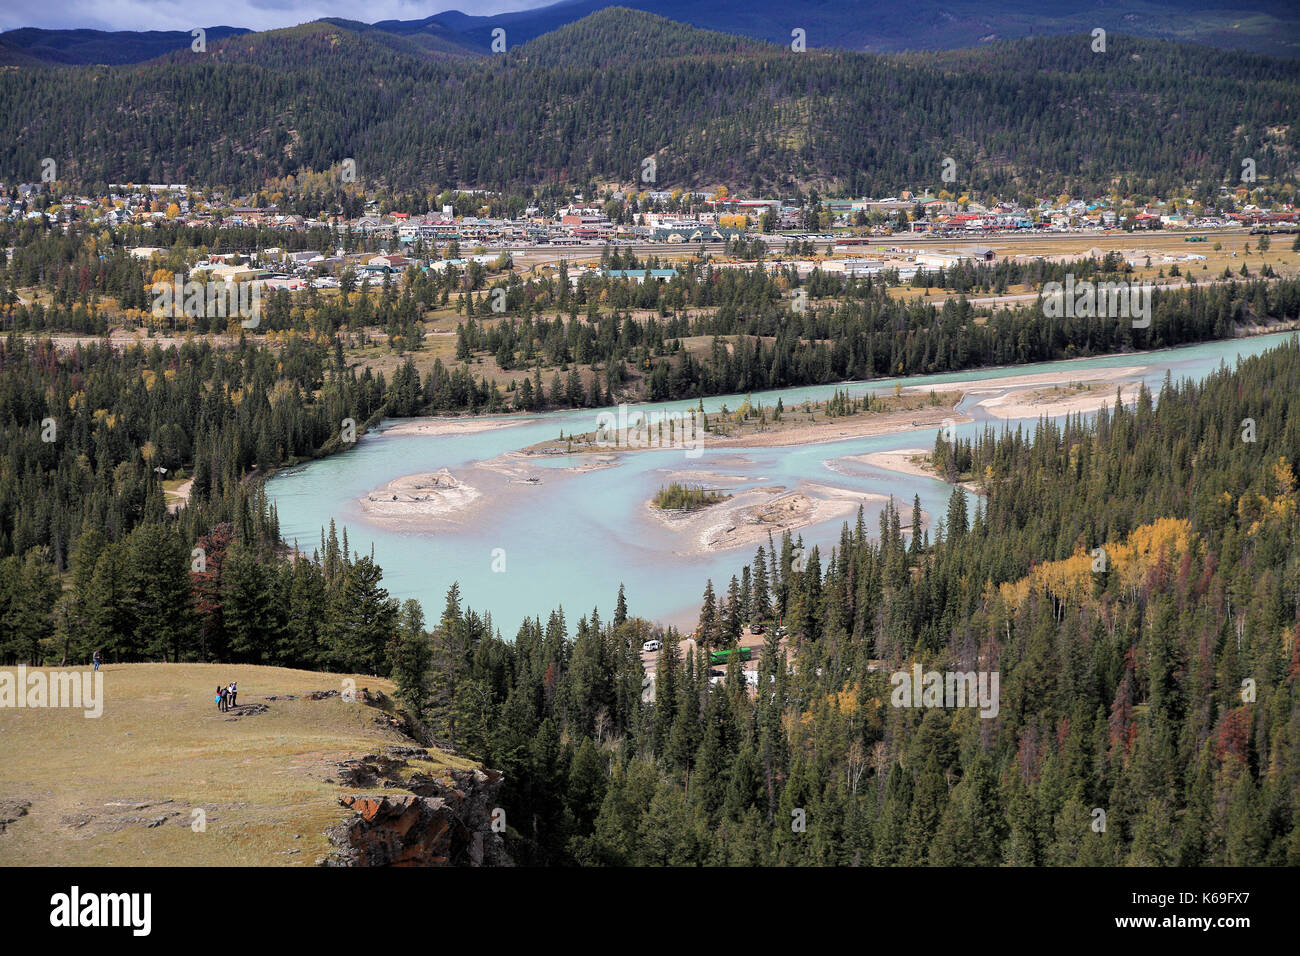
[94, 659]
[231, 692]
[221, 698]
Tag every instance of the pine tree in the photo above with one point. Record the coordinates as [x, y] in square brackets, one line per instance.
[620, 609]
[450, 652]
[916, 525]
[364, 618]
[158, 589]
[708, 631]
[410, 658]
[733, 619]
[957, 514]
[762, 601]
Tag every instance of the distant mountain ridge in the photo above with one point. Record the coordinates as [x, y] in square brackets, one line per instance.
[81, 47]
[1263, 26]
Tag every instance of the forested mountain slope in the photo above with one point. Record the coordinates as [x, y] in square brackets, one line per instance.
[594, 99]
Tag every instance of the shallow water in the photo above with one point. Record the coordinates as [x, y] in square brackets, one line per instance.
[572, 539]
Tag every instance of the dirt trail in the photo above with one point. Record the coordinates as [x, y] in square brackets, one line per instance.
[178, 499]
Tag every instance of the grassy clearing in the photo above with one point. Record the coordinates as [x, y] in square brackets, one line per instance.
[161, 749]
[1235, 249]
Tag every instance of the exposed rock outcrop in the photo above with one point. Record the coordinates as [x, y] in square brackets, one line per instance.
[439, 826]
[246, 710]
[118, 815]
[11, 811]
[370, 770]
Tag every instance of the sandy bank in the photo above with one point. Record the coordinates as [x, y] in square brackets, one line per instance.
[452, 426]
[1055, 401]
[1038, 379]
[857, 426]
[516, 464]
[908, 461]
[705, 477]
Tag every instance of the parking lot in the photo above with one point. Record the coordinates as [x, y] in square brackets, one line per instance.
[748, 639]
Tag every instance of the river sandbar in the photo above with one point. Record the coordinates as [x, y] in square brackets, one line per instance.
[750, 516]
[433, 425]
[428, 494]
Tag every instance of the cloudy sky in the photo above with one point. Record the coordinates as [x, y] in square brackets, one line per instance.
[254, 14]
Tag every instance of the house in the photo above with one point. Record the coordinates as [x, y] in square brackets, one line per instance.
[368, 224]
[640, 275]
[702, 233]
[441, 265]
[584, 219]
[391, 263]
[290, 283]
[247, 214]
[853, 268]
[234, 273]
[937, 260]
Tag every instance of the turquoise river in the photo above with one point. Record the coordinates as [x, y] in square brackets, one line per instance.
[568, 538]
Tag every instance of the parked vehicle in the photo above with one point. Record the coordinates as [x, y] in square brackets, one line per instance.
[652, 645]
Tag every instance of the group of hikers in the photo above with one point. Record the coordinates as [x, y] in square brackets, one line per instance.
[225, 698]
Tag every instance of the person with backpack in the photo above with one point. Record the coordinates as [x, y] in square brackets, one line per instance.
[94, 659]
[221, 698]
